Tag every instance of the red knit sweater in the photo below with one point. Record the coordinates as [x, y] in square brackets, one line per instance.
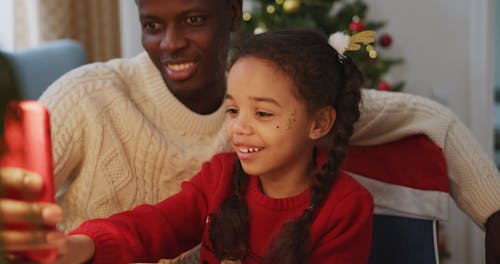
[340, 231]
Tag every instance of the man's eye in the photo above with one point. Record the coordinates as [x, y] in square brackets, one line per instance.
[195, 20]
[151, 26]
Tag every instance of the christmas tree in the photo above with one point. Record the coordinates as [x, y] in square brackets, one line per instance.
[329, 16]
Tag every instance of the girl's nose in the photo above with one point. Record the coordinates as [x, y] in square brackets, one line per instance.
[241, 125]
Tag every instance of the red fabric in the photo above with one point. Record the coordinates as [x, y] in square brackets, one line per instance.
[26, 144]
[340, 232]
[414, 162]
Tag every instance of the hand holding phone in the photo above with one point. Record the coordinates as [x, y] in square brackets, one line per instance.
[26, 144]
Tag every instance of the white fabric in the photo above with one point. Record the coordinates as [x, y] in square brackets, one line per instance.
[397, 200]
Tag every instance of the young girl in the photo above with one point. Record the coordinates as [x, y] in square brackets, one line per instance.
[280, 197]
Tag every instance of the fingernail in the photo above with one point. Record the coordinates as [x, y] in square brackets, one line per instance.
[53, 214]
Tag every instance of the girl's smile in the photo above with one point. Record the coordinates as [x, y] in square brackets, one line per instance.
[246, 153]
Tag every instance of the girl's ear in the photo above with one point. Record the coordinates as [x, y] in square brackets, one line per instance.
[323, 122]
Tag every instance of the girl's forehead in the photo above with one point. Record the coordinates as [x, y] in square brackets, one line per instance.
[252, 71]
[259, 81]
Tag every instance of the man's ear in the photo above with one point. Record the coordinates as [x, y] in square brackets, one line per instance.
[323, 122]
[237, 10]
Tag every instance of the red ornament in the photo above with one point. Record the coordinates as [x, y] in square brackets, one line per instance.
[357, 26]
[385, 40]
[384, 86]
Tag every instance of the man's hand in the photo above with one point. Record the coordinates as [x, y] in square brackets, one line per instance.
[492, 242]
[38, 219]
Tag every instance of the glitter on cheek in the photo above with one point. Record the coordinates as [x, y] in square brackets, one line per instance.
[291, 119]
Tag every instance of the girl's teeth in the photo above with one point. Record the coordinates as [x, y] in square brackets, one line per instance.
[249, 150]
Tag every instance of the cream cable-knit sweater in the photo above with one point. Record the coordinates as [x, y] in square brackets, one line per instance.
[120, 138]
[123, 139]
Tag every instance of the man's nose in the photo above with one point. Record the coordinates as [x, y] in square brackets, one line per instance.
[174, 39]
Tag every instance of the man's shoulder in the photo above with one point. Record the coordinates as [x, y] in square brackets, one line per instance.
[114, 68]
[116, 73]
[399, 101]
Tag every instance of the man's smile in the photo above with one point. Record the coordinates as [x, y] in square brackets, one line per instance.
[180, 71]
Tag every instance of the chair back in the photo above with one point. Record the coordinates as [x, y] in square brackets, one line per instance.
[36, 68]
[397, 239]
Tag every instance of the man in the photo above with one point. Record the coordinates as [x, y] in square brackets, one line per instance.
[128, 131]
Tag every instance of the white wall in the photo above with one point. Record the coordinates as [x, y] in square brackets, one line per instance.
[432, 37]
[446, 46]
[130, 29]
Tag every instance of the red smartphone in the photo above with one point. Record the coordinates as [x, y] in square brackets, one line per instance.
[26, 144]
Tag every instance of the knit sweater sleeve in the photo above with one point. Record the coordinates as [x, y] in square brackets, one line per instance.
[474, 178]
[152, 232]
[67, 122]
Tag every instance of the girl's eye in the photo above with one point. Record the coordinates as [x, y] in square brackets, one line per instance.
[263, 114]
[195, 20]
[232, 112]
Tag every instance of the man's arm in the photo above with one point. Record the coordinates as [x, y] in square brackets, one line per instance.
[389, 116]
[66, 124]
[474, 178]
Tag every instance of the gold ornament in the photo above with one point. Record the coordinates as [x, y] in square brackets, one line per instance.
[365, 37]
[270, 9]
[279, 2]
[247, 16]
[291, 6]
[372, 53]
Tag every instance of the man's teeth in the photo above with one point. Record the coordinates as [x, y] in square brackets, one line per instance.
[180, 66]
[249, 150]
